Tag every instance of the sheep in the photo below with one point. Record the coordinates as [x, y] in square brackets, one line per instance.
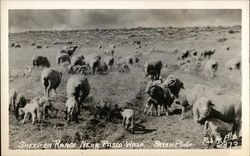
[62, 57]
[149, 106]
[162, 97]
[77, 60]
[78, 69]
[39, 47]
[17, 45]
[71, 110]
[13, 98]
[103, 67]
[109, 60]
[79, 88]
[138, 46]
[217, 129]
[44, 104]
[208, 53]
[223, 107]
[210, 68]
[128, 116]
[183, 55]
[69, 50]
[93, 61]
[233, 65]
[124, 67]
[27, 71]
[112, 46]
[50, 79]
[153, 68]
[31, 108]
[40, 61]
[21, 101]
[109, 52]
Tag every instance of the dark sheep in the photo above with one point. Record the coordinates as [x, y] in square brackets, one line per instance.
[153, 68]
[40, 61]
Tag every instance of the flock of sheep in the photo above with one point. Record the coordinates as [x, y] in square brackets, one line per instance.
[220, 114]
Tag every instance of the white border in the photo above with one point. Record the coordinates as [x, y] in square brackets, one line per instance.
[244, 5]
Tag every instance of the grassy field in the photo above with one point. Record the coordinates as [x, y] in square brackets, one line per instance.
[124, 89]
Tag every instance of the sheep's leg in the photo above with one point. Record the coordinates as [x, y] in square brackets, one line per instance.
[25, 115]
[145, 108]
[167, 111]
[150, 111]
[33, 117]
[66, 113]
[159, 110]
[182, 112]
[123, 122]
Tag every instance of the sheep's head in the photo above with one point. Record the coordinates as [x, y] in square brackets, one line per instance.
[174, 84]
[21, 111]
[205, 106]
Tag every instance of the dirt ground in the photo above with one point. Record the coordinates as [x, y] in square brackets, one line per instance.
[124, 89]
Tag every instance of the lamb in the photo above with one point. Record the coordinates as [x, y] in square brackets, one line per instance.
[210, 68]
[50, 79]
[62, 57]
[223, 107]
[208, 53]
[153, 68]
[31, 108]
[40, 61]
[109, 60]
[233, 65]
[69, 50]
[217, 129]
[71, 110]
[128, 119]
[93, 61]
[27, 71]
[79, 88]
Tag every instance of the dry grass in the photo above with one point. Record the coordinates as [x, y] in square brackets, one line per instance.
[124, 89]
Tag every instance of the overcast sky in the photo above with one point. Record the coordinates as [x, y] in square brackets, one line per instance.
[23, 20]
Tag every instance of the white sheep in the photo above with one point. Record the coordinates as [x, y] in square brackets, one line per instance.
[233, 65]
[103, 67]
[93, 61]
[224, 107]
[31, 108]
[50, 79]
[217, 129]
[109, 60]
[27, 71]
[63, 57]
[128, 119]
[79, 88]
[71, 109]
[210, 68]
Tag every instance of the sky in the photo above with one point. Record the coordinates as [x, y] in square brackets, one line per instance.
[25, 20]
